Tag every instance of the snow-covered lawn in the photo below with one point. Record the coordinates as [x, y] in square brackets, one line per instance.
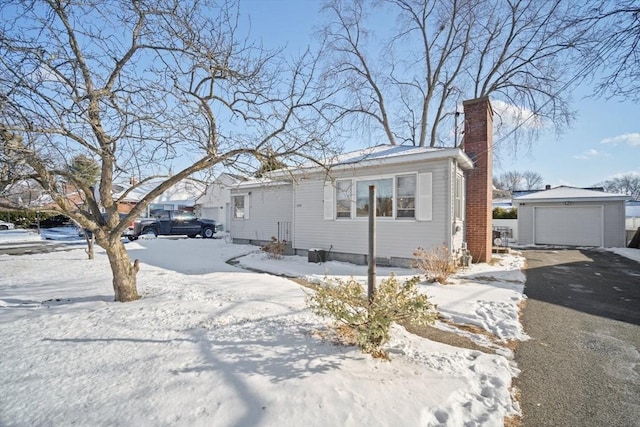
[210, 344]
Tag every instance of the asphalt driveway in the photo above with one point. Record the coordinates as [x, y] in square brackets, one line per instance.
[582, 364]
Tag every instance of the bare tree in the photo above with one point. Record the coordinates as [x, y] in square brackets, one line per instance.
[509, 181]
[614, 46]
[134, 85]
[532, 180]
[626, 184]
[516, 180]
[409, 80]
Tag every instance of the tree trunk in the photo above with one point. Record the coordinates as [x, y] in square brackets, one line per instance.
[90, 239]
[124, 272]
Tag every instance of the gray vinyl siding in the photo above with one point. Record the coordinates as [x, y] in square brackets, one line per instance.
[613, 221]
[614, 225]
[266, 206]
[525, 224]
[395, 237]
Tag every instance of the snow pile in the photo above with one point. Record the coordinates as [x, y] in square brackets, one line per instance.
[210, 344]
[483, 295]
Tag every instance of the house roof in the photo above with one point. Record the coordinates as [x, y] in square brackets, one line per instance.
[564, 193]
[384, 154]
[391, 154]
[502, 202]
[186, 191]
[261, 182]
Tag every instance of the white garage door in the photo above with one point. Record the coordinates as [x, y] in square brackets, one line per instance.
[568, 225]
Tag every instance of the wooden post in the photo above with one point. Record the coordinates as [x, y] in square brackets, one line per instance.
[371, 258]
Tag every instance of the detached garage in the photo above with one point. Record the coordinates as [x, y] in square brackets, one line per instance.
[572, 217]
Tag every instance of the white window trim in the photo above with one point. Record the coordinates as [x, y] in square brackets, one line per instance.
[424, 197]
[329, 200]
[246, 206]
[352, 201]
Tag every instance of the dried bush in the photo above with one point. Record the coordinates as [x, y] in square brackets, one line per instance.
[437, 264]
[275, 249]
[347, 303]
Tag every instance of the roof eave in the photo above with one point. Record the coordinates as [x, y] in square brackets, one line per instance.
[454, 153]
[572, 199]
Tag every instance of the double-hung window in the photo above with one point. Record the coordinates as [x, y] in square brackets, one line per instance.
[238, 207]
[406, 196]
[343, 199]
[458, 207]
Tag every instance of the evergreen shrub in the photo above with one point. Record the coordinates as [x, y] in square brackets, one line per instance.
[370, 321]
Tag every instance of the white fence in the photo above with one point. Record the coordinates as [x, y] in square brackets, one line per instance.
[631, 223]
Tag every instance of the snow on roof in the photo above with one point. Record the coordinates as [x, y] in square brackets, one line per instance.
[502, 202]
[261, 182]
[386, 152]
[187, 191]
[570, 193]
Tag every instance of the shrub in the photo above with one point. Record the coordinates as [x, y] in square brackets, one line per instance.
[502, 213]
[275, 249]
[437, 264]
[25, 218]
[347, 303]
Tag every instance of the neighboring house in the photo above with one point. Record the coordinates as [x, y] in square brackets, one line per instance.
[571, 216]
[215, 203]
[25, 193]
[503, 202]
[420, 200]
[181, 196]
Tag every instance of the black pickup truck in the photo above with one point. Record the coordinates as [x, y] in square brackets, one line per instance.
[171, 223]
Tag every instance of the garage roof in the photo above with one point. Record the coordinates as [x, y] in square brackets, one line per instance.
[570, 194]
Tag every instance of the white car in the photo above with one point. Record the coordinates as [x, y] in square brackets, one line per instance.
[6, 225]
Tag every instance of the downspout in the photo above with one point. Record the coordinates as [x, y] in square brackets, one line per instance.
[450, 216]
[293, 216]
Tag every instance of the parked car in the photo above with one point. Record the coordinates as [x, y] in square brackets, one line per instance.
[7, 225]
[172, 223]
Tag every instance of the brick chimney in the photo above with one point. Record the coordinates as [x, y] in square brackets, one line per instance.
[478, 141]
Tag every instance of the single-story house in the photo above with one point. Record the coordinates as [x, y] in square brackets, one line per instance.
[420, 203]
[426, 197]
[571, 216]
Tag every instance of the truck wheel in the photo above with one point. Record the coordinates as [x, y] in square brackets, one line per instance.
[208, 233]
[150, 232]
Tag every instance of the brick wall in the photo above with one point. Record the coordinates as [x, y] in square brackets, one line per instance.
[478, 141]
